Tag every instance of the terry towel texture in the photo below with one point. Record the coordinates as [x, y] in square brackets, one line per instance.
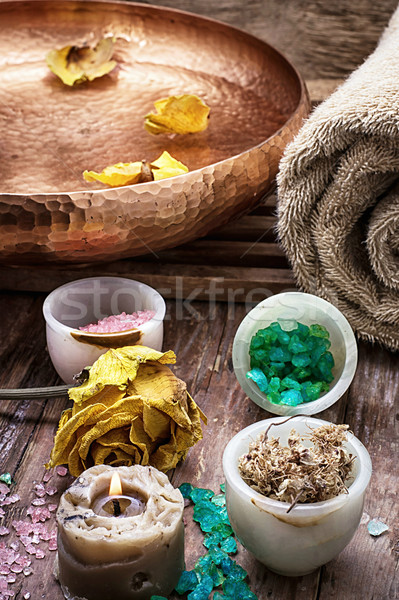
[338, 196]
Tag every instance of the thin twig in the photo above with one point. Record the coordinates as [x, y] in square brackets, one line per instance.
[55, 391]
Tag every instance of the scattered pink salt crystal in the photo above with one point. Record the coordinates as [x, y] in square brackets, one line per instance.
[52, 545]
[14, 546]
[122, 322]
[2, 512]
[14, 498]
[11, 578]
[47, 476]
[51, 490]
[61, 471]
[39, 513]
[24, 561]
[16, 568]
[4, 531]
[27, 571]
[4, 570]
[52, 507]
[26, 596]
[40, 553]
[4, 489]
[30, 549]
[38, 501]
[40, 490]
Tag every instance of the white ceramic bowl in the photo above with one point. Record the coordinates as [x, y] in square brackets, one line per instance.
[288, 308]
[310, 534]
[86, 301]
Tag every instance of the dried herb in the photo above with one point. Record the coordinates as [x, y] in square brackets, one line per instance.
[297, 472]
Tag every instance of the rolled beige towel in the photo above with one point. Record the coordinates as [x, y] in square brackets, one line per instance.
[338, 196]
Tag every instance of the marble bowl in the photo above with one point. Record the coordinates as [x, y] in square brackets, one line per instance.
[300, 541]
[85, 301]
[48, 213]
[288, 308]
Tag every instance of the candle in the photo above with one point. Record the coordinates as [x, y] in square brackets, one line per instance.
[125, 542]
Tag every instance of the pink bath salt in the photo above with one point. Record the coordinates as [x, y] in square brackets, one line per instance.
[122, 322]
[61, 471]
[51, 490]
[4, 531]
[4, 570]
[30, 549]
[22, 527]
[14, 498]
[23, 561]
[26, 596]
[38, 501]
[4, 489]
[16, 568]
[52, 545]
[47, 476]
[40, 553]
[27, 571]
[52, 507]
[2, 512]
[40, 490]
[38, 513]
[14, 546]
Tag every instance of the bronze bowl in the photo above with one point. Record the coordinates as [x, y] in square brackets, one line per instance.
[52, 132]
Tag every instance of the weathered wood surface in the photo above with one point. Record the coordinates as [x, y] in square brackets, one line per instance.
[202, 336]
[322, 39]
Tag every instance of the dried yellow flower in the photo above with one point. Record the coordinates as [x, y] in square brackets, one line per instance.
[167, 166]
[131, 410]
[76, 65]
[178, 114]
[117, 175]
[138, 172]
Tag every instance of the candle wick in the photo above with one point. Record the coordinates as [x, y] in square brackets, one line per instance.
[117, 507]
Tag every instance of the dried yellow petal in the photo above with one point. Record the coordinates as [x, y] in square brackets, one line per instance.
[167, 166]
[117, 175]
[178, 114]
[76, 65]
[132, 409]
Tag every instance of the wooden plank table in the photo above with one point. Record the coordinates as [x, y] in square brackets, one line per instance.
[202, 338]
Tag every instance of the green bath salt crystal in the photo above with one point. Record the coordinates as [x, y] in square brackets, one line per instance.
[291, 367]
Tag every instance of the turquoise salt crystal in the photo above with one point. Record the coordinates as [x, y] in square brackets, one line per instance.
[213, 538]
[186, 489]
[376, 527]
[198, 494]
[275, 384]
[259, 378]
[203, 589]
[301, 360]
[188, 581]
[279, 354]
[291, 397]
[231, 569]
[238, 590]
[302, 330]
[318, 331]
[296, 346]
[219, 499]
[290, 384]
[229, 545]
[301, 373]
[213, 569]
[6, 478]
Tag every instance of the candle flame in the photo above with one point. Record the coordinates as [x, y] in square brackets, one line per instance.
[115, 487]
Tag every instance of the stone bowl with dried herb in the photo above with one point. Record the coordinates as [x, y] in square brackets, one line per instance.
[294, 353]
[295, 490]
